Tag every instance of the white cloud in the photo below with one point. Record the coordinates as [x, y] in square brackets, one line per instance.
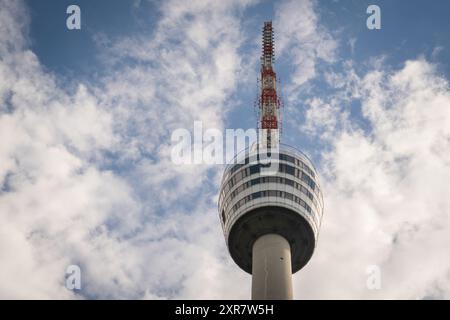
[301, 37]
[385, 192]
[13, 25]
[137, 231]
[323, 118]
[85, 177]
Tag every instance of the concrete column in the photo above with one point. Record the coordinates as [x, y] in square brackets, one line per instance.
[271, 268]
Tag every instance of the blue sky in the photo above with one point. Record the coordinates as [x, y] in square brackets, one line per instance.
[86, 118]
[408, 32]
[411, 33]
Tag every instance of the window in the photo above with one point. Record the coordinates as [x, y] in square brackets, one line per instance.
[290, 159]
[256, 195]
[290, 170]
[287, 158]
[302, 203]
[254, 169]
[272, 193]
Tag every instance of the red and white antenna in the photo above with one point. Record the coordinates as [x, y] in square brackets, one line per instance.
[269, 104]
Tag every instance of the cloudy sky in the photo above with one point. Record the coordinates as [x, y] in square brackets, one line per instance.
[86, 118]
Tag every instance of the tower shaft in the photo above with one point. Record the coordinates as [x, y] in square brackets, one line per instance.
[271, 268]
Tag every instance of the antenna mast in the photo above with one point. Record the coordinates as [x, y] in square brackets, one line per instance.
[269, 103]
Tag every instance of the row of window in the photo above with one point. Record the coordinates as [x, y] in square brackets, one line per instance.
[297, 162]
[284, 157]
[281, 180]
[285, 168]
[268, 193]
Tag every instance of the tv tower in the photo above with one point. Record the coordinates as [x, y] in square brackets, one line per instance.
[270, 202]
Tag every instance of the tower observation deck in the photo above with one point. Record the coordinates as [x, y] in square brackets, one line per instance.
[270, 218]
